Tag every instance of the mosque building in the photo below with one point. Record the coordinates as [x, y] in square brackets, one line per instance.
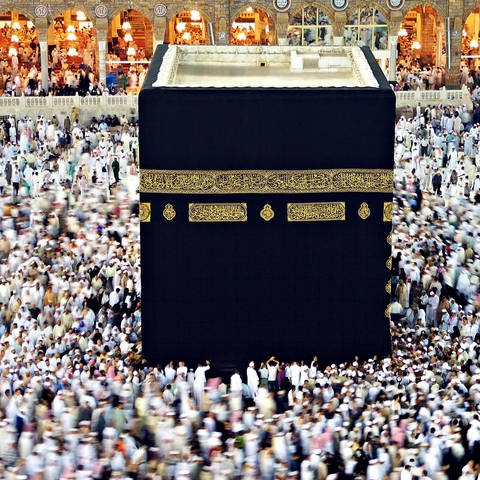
[440, 37]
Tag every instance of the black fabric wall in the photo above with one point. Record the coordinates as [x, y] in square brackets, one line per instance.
[233, 292]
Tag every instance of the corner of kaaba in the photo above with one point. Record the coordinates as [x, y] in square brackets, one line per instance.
[266, 193]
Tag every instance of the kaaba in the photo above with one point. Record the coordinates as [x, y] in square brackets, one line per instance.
[266, 192]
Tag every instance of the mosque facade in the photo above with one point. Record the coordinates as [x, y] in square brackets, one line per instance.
[437, 34]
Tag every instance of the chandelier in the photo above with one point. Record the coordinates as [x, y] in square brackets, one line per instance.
[12, 51]
[131, 51]
[71, 33]
[402, 32]
[81, 16]
[128, 37]
[14, 38]
[126, 24]
[180, 27]
[16, 26]
[416, 45]
[195, 15]
[72, 52]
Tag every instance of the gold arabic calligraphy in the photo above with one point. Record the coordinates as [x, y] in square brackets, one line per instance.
[265, 181]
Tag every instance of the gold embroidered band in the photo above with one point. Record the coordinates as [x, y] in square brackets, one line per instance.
[265, 181]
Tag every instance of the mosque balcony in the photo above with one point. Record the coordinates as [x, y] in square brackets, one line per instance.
[52, 101]
[433, 97]
[87, 107]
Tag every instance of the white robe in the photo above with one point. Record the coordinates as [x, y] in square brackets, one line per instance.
[252, 381]
[432, 306]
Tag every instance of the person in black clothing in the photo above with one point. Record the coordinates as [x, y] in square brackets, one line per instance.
[437, 183]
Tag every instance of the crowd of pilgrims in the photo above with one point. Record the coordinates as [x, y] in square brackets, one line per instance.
[77, 401]
[20, 73]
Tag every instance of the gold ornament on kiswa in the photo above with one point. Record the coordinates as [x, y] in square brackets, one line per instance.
[389, 263]
[364, 211]
[267, 212]
[390, 238]
[387, 311]
[387, 211]
[388, 287]
[145, 212]
[169, 212]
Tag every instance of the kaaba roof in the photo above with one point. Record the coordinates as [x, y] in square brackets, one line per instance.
[267, 67]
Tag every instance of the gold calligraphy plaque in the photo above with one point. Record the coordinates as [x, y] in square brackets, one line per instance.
[217, 212]
[266, 181]
[316, 211]
[387, 211]
[145, 212]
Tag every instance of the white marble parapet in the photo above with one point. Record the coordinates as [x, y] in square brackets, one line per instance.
[264, 66]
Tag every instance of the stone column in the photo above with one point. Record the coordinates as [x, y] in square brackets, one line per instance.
[452, 76]
[102, 33]
[42, 31]
[282, 27]
[223, 32]
[438, 53]
[102, 67]
[455, 13]
[392, 59]
[338, 26]
[159, 27]
[44, 63]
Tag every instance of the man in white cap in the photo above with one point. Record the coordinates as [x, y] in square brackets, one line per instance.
[432, 306]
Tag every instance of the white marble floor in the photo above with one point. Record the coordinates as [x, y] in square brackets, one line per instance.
[202, 75]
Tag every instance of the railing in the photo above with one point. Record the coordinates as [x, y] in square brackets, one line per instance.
[403, 98]
[433, 96]
[73, 101]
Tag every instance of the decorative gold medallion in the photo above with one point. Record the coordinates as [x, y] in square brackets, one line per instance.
[389, 238]
[389, 263]
[387, 211]
[217, 212]
[317, 211]
[387, 311]
[169, 212]
[388, 287]
[145, 212]
[364, 211]
[267, 213]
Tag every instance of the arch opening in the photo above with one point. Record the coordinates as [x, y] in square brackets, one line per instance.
[366, 26]
[130, 48]
[421, 40]
[310, 26]
[72, 49]
[19, 55]
[253, 26]
[471, 49]
[188, 27]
